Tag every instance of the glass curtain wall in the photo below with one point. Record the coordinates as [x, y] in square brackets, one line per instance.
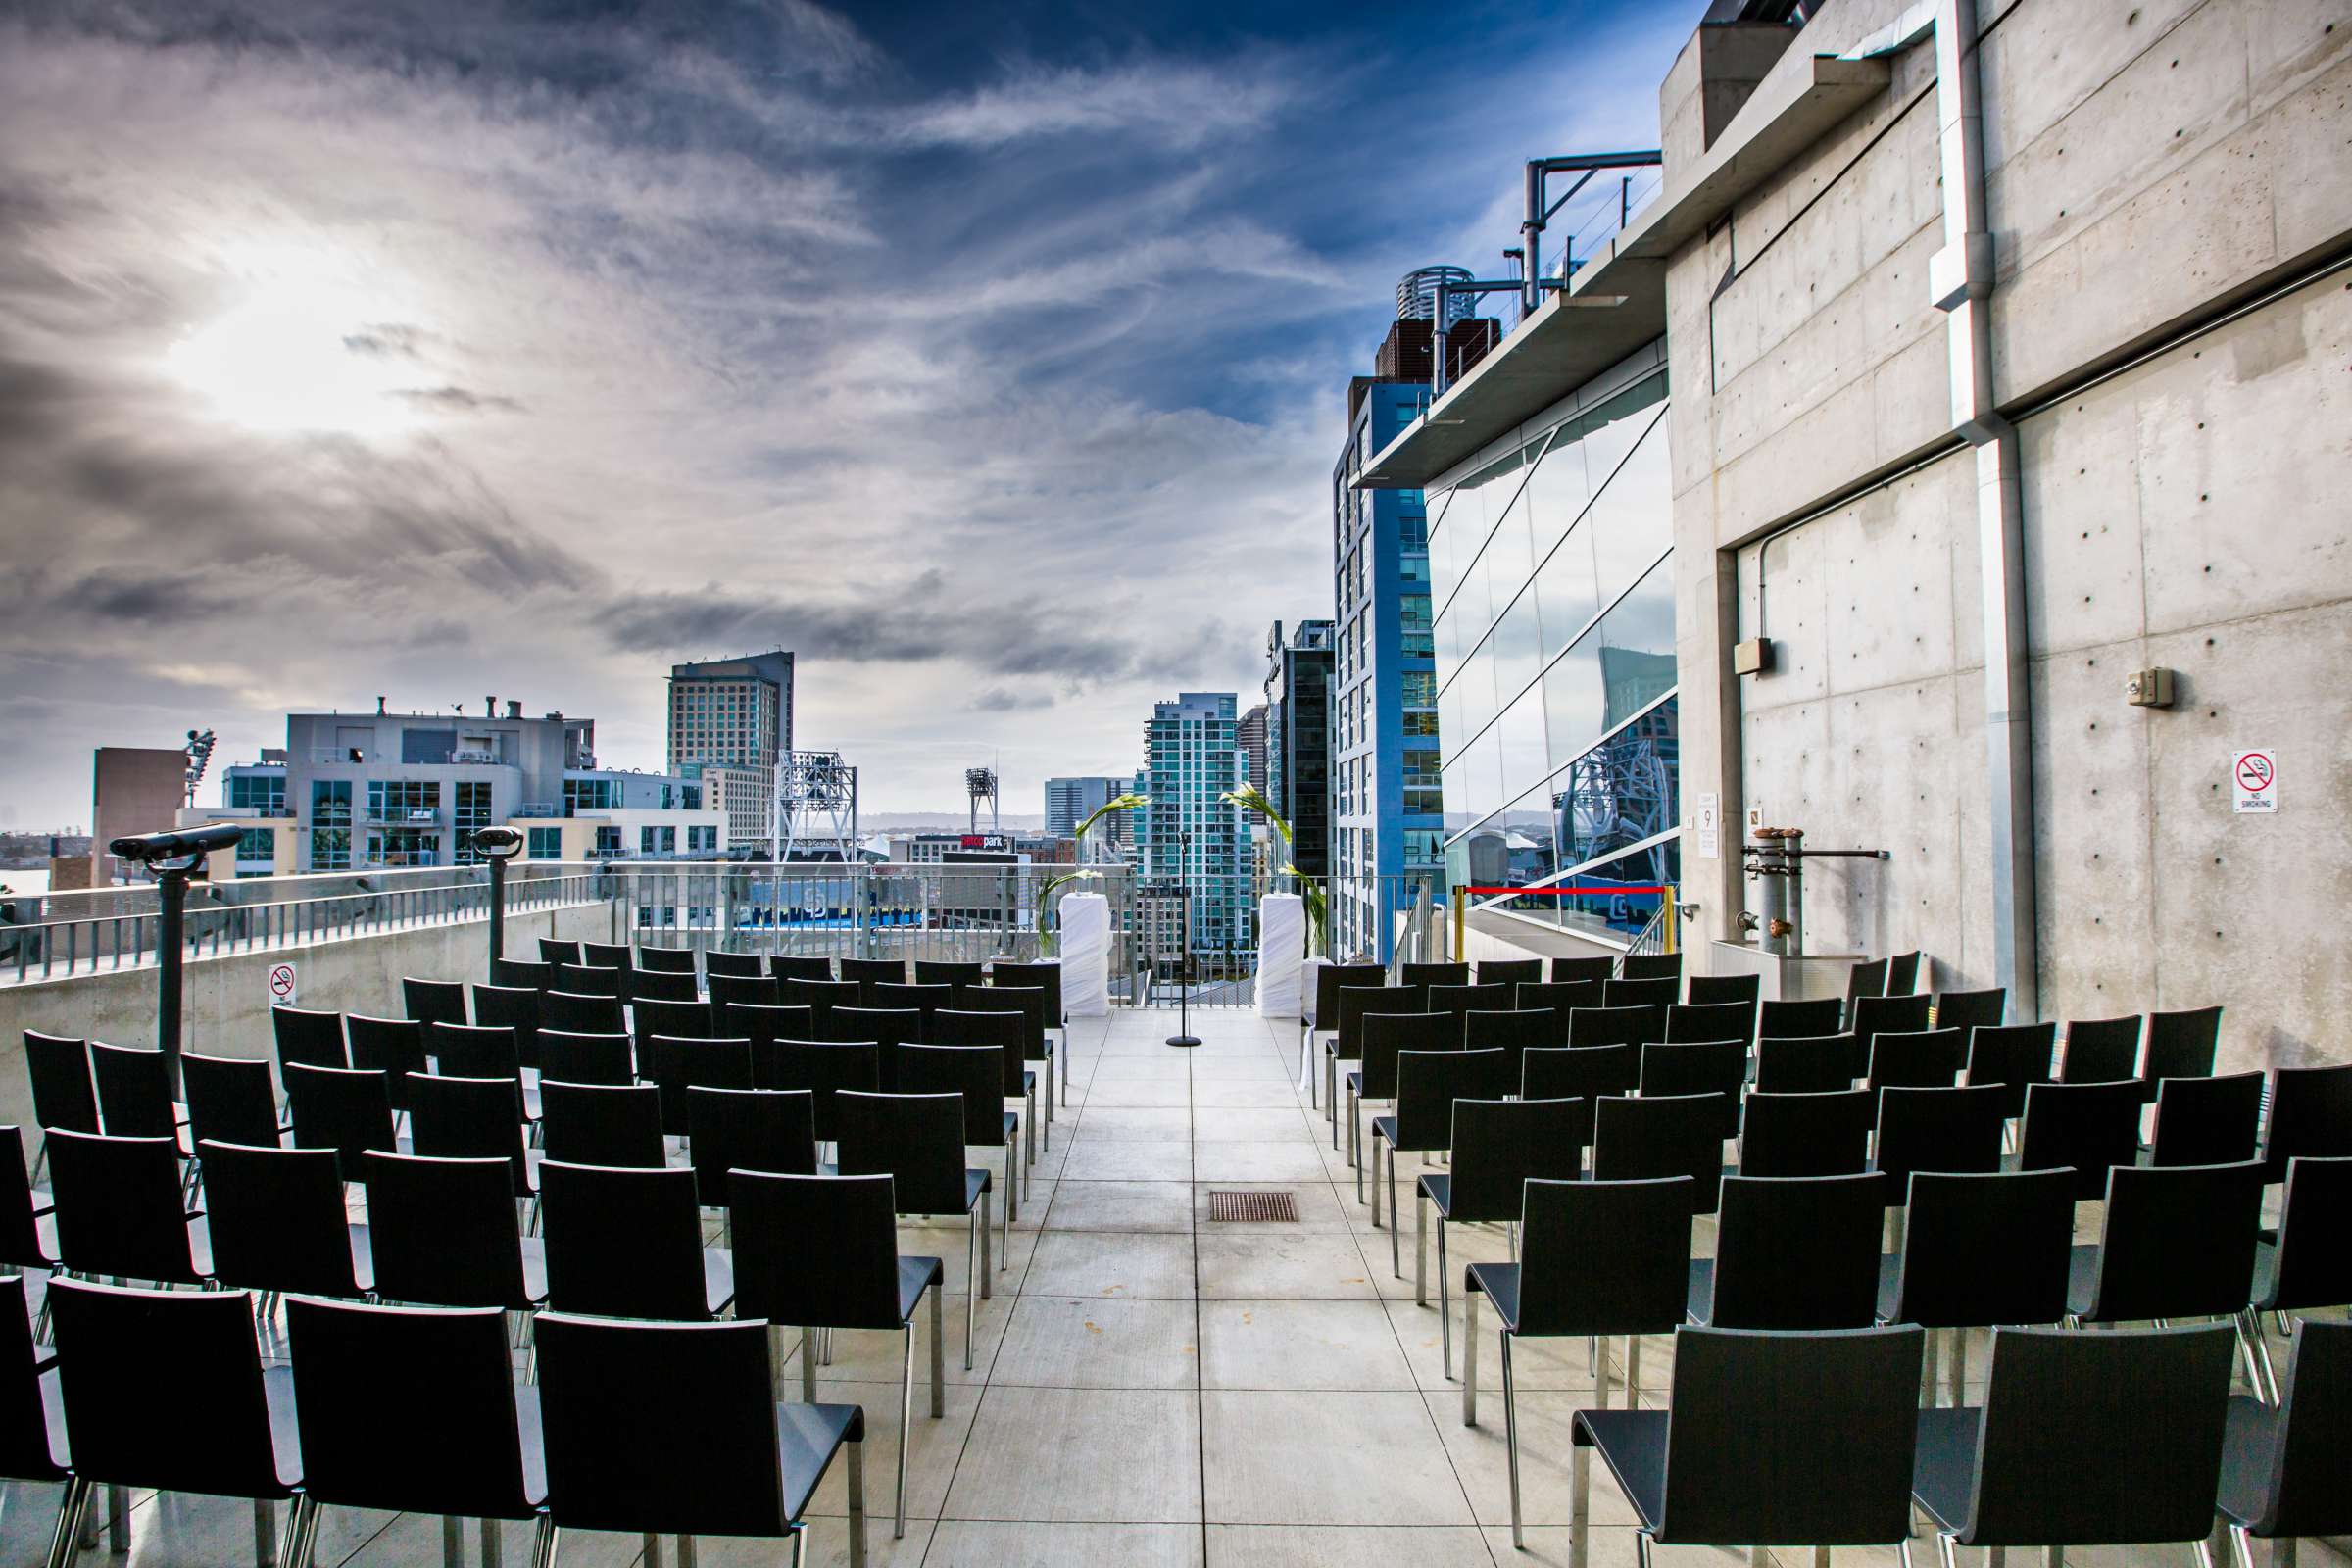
[1554, 637]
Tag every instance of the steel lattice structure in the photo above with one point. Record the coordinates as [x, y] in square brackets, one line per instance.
[815, 807]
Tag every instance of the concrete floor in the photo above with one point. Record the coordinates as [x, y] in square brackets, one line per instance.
[1148, 1388]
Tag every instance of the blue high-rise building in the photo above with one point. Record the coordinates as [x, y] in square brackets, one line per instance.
[1192, 757]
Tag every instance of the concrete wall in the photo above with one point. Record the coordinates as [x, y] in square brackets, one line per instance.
[2148, 165]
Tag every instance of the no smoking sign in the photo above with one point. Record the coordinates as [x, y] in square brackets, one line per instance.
[282, 989]
[2254, 781]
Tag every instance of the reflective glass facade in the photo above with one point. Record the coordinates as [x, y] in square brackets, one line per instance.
[1554, 640]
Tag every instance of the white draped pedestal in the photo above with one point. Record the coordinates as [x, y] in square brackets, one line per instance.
[1281, 954]
[1084, 955]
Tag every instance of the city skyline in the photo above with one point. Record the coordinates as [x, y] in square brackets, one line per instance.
[452, 350]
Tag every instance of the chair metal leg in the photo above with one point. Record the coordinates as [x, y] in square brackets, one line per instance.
[685, 1551]
[988, 1268]
[858, 1493]
[1354, 1155]
[799, 1547]
[1444, 1305]
[2053, 1558]
[807, 1366]
[905, 1436]
[1641, 1549]
[1902, 1550]
[938, 1356]
[1395, 1265]
[1821, 1557]
[1377, 1141]
[653, 1552]
[971, 1278]
[1012, 1185]
[1469, 1357]
[265, 1533]
[1758, 1557]
[2261, 1349]
[542, 1543]
[118, 1517]
[1580, 1479]
[2204, 1551]
[71, 1509]
[452, 1541]
[2249, 1330]
[1601, 1373]
[1632, 1371]
[1948, 1557]
[491, 1544]
[1030, 1099]
[1510, 1439]
[1959, 1368]
[1928, 1373]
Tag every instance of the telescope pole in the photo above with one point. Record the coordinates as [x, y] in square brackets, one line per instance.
[170, 948]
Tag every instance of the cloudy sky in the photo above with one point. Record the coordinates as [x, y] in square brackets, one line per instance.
[990, 357]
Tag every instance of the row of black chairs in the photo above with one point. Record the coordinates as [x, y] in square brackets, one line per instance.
[650, 960]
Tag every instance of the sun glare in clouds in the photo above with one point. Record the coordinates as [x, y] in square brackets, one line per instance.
[282, 357]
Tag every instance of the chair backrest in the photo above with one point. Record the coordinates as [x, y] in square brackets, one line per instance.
[718, 965]
[556, 950]
[1879, 1015]
[2100, 1050]
[608, 955]
[1716, 1068]
[26, 1453]
[587, 980]
[822, 1067]
[1808, 1064]
[1660, 994]
[2149, 1404]
[1436, 974]
[1651, 967]
[999, 1032]
[580, 1013]
[124, 1355]
[663, 985]
[1616, 1026]
[1579, 1072]
[119, 1207]
[2206, 1121]
[1507, 972]
[1641, 1138]
[707, 1387]
[886, 1028]
[1499, 1146]
[1864, 980]
[1948, 1130]
[679, 1063]
[1573, 970]
[1561, 997]
[1604, 1256]
[2180, 1044]
[769, 1130]
[433, 1001]
[343, 1108]
[1044, 976]
[1971, 1010]
[666, 961]
[601, 1124]
[2012, 1055]
[1792, 1437]
[1986, 1249]
[308, 1038]
[1818, 1133]
[1358, 1002]
[134, 1091]
[473, 1051]
[468, 1118]
[679, 1020]
[1429, 1082]
[1714, 990]
[759, 1023]
[1515, 1033]
[442, 1232]
[1332, 978]
[1029, 1001]
[1387, 1035]
[520, 975]
[874, 971]
[276, 1219]
[1799, 1251]
[1923, 1058]
[2312, 1450]
[925, 1000]
[565, 1057]
[393, 1047]
[949, 972]
[622, 1242]
[2178, 1242]
[759, 990]
[449, 1443]
[1711, 1020]
[974, 1072]
[20, 1245]
[2086, 1126]
[1461, 998]
[1903, 974]
[2310, 1115]
[817, 1250]
[514, 1008]
[799, 967]
[1795, 1020]
[820, 997]
[915, 1140]
[2312, 1267]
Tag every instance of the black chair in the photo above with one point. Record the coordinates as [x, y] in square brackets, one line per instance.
[1323, 1010]
[518, 974]
[2283, 1468]
[393, 1047]
[588, 980]
[820, 997]
[124, 1355]
[1772, 1438]
[2090, 1127]
[2180, 1044]
[481, 1050]
[718, 964]
[925, 1000]
[2014, 1056]
[1428, 1082]
[1864, 980]
[278, 1224]
[1903, 974]
[731, 1461]
[307, 1038]
[878, 971]
[120, 1211]
[1579, 1072]
[601, 1124]
[2206, 1121]
[2101, 1051]
[2176, 1243]
[433, 1001]
[1925, 1059]
[666, 961]
[33, 1431]
[1576, 970]
[613, 956]
[1514, 1033]
[975, 1074]
[461, 1440]
[516, 1009]
[856, 1280]
[470, 1119]
[799, 967]
[554, 951]
[442, 1233]
[1659, 994]
[1003, 1032]
[627, 1242]
[917, 1142]
[1797, 1020]
[759, 991]
[1560, 996]
[1032, 1003]
[1717, 1067]
[884, 1028]
[1793, 1253]
[1384, 1036]
[1879, 1015]
[1965, 1010]
[949, 972]
[1596, 1260]
[1815, 1133]
[579, 1014]
[1508, 972]
[134, 1092]
[1647, 1137]
[1651, 967]
[346, 1109]
[2311, 1117]
[28, 1237]
[1711, 1020]
[1979, 1252]
[1808, 1064]
[772, 1131]
[1434, 974]
[1456, 1001]
[2303, 1264]
[2149, 1406]
[1499, 1146]
[1347, 1042]
[764, 1025]
[663, 985]
[1714, 990]
[678, 1020]
[1947, 1131]
[677, 1064]
[577, 1059]
[1617, 1026]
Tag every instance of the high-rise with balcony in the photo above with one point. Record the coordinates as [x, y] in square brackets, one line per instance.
[730, 712]
[1299, 692]
[1192, 757]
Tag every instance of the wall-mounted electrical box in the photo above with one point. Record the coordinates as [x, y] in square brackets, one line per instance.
[2149, 688]
[1752, 657]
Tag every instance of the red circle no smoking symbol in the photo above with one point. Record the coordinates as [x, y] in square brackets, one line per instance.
[281, 981]
[2254, 772]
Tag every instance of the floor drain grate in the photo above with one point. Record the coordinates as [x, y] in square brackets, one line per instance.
[1263, 1208]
